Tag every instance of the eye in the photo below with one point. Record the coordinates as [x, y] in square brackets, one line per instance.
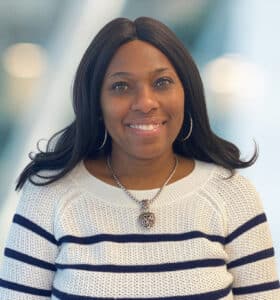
[163, 82]
[119, 87]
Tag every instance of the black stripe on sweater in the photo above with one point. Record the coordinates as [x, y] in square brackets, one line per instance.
[213, 295]
[29, 259]
[22, 221]
[139, 238]
[24, 289]
[256, 288]
[251, 258]
[153, 238]
[245, 227]
[201, 263]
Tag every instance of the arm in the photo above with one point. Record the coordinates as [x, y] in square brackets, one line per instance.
[251, 259]
[28, 264]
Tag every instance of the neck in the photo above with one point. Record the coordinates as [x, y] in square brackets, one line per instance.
[142, 173]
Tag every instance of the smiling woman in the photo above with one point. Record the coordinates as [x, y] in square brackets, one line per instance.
[142, 103]
[138, 198]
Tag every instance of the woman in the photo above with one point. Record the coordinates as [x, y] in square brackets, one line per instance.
[138, 198]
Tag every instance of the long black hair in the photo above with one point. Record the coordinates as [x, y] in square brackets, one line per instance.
[83, 137]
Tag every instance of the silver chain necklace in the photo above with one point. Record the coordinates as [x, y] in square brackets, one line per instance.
[146, 218]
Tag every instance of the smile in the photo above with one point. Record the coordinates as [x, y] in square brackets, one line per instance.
[146, 127]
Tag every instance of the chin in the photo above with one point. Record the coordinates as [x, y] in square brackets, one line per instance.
[147, 154]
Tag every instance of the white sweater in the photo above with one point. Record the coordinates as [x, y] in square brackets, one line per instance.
[78, 238]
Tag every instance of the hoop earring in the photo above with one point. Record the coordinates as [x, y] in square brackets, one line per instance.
[104, 140]
[190, 130]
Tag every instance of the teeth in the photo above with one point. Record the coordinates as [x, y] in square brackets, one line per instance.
[144, 126]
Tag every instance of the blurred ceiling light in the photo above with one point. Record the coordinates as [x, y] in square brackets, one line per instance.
[232, 75]
[25, 60]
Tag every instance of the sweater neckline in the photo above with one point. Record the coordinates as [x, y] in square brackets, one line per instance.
[114, 195]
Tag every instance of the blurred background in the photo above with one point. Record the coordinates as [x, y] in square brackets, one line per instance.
[233, 42]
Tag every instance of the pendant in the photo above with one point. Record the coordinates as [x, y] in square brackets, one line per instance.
[147, 218]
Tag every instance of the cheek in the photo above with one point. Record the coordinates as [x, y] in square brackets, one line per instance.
[113, 114]
[109, 115]
[178, 106]
[181, 103]
[107, 108]
[180, 116]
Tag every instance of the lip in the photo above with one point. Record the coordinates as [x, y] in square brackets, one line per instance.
[145, 122]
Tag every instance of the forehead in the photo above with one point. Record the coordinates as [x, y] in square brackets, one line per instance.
[138, 57]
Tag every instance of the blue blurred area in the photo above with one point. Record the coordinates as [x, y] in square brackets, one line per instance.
[233, 43]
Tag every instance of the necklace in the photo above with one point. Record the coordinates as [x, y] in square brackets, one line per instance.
[146, 218]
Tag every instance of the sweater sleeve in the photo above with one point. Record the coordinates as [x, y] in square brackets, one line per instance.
[249, 246]
[28, 267]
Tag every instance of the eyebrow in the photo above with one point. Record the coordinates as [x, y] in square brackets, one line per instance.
[156, 71]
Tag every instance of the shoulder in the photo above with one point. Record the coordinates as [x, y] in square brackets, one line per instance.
[232, 185]
[237, 196]
[230, 182]
[231, 190]
[43, 200]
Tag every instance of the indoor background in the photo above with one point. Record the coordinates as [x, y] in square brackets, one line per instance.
[234, 43]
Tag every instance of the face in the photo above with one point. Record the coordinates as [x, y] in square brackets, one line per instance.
[142, 102]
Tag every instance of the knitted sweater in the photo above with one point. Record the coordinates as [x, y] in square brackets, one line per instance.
[79, 238]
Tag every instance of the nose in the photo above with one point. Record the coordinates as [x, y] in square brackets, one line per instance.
[145, 100]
